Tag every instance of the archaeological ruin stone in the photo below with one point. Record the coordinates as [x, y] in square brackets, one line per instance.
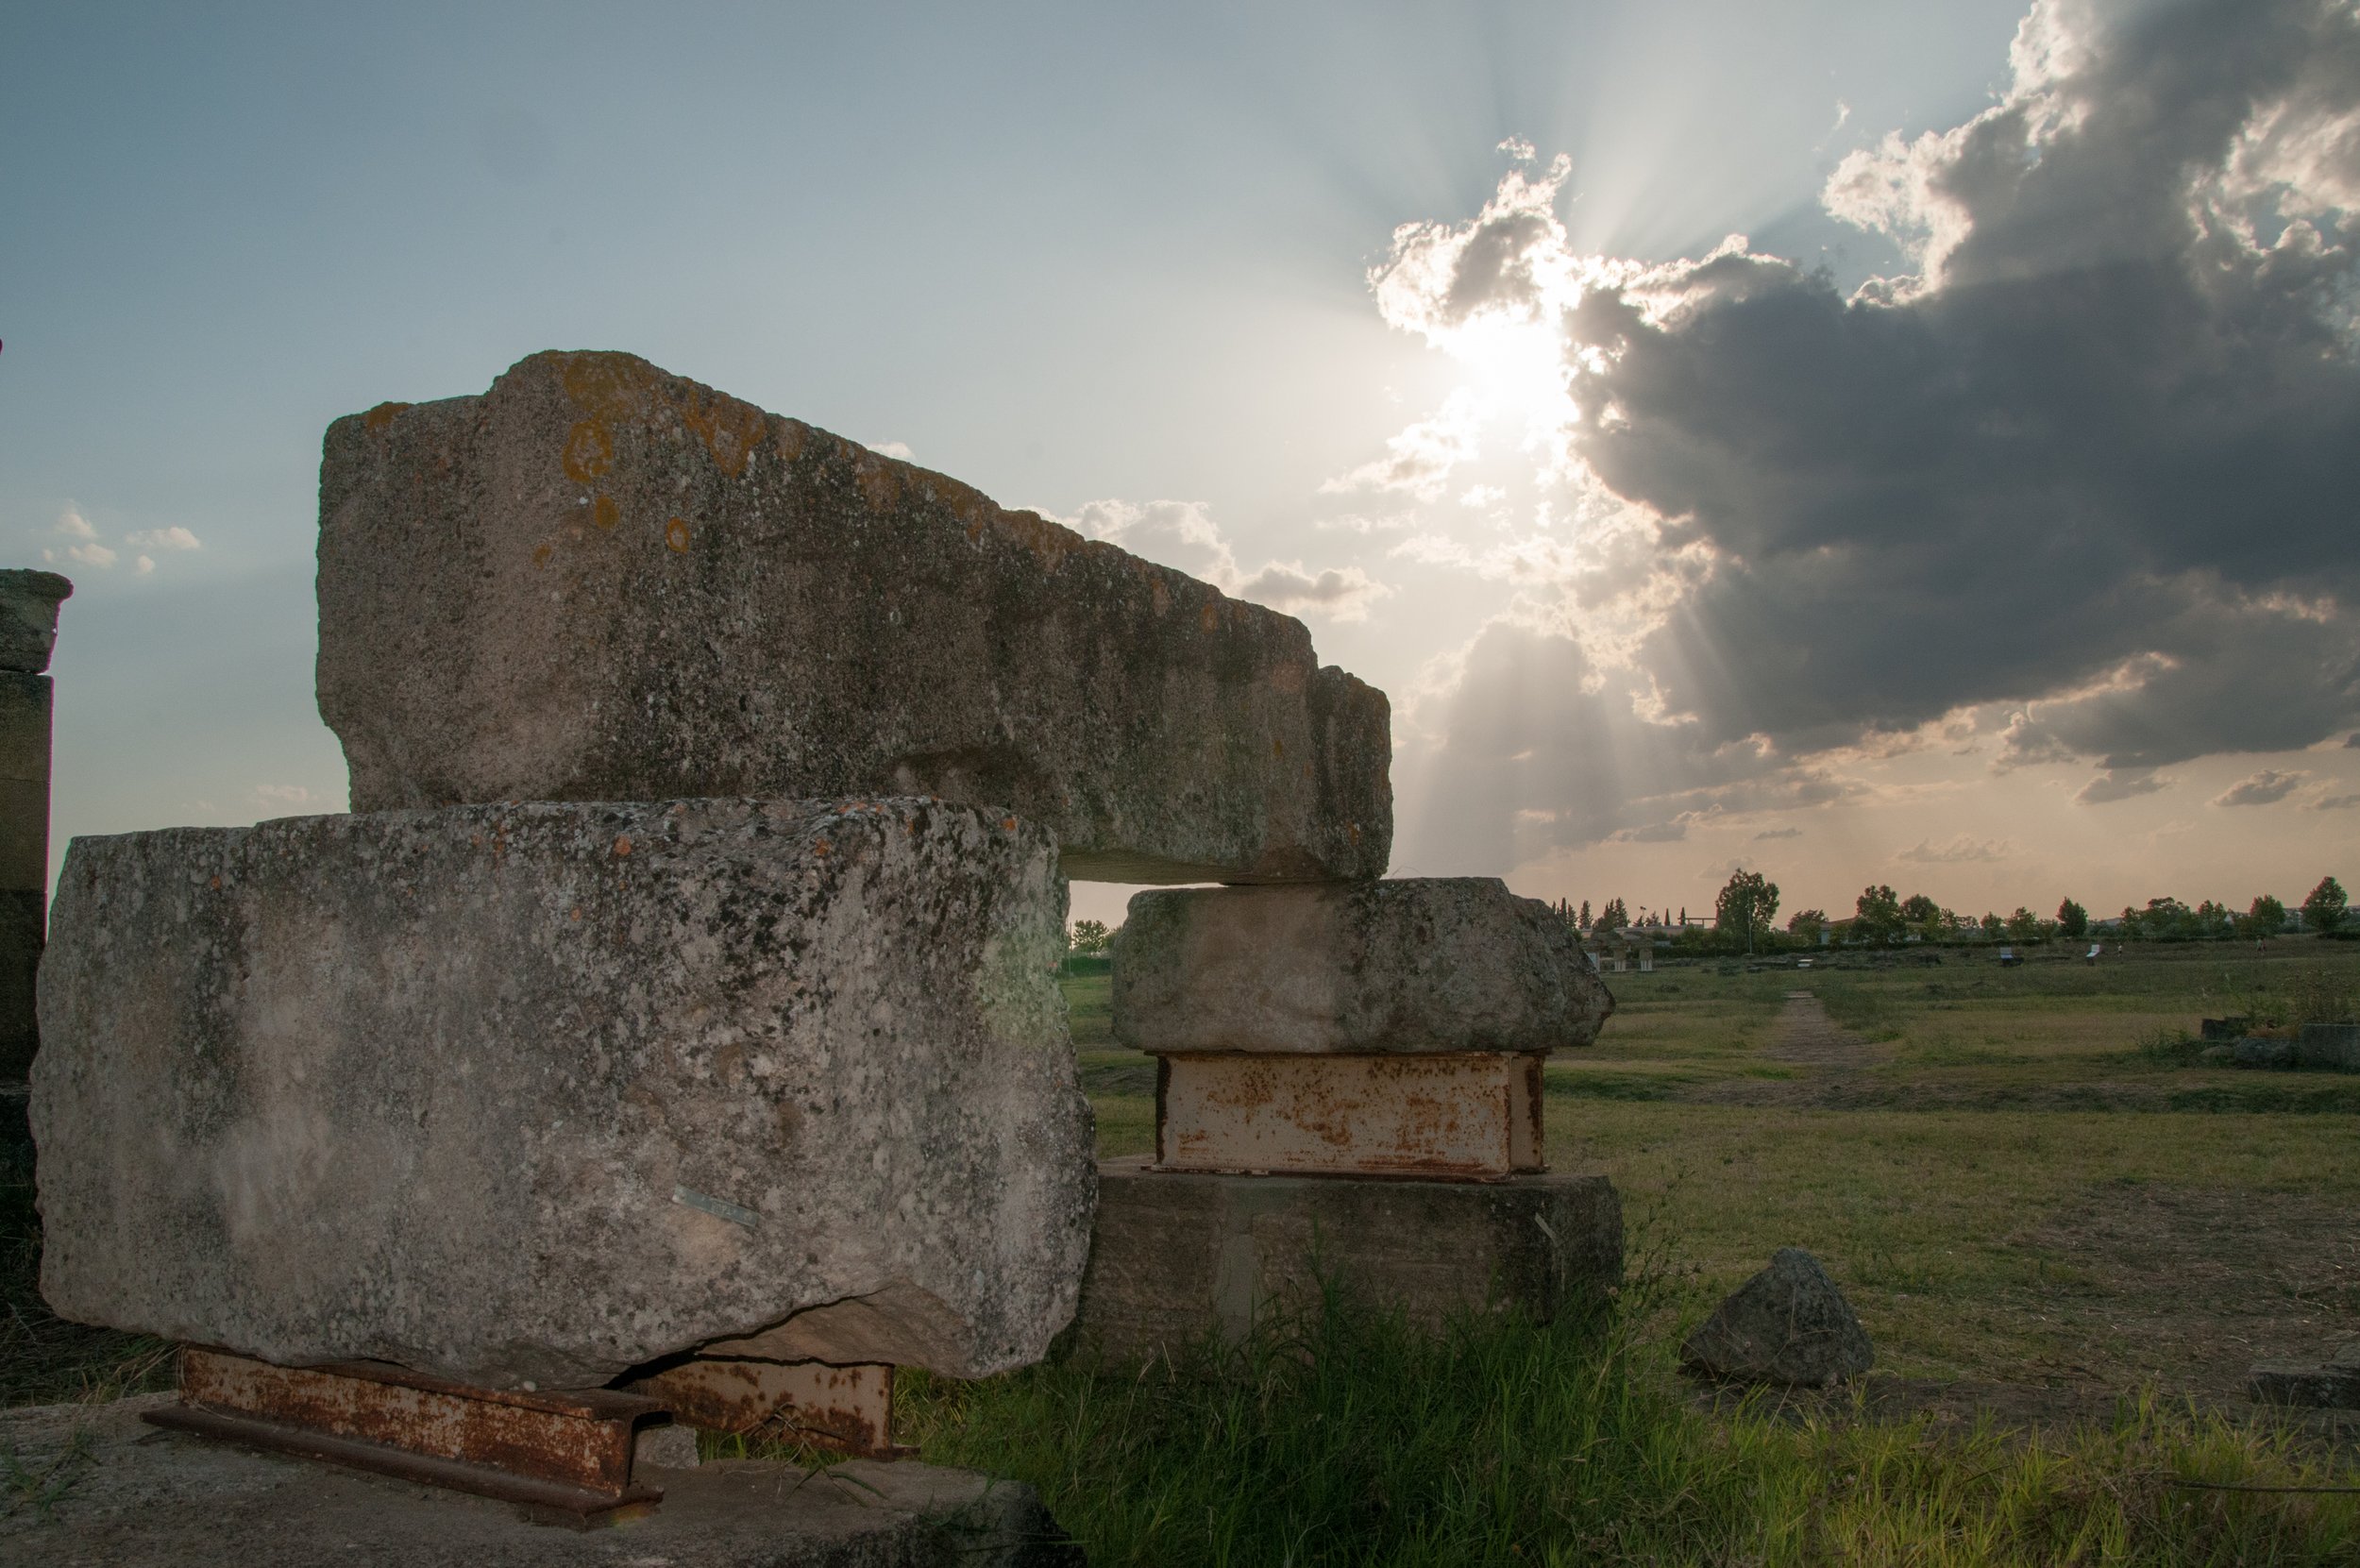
[1789, 1325]
[600, 581]
[538, 1093]
[1425, 964]
[1180, 1256]
[28, 629]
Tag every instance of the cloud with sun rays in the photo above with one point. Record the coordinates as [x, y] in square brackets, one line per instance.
[2087, 460]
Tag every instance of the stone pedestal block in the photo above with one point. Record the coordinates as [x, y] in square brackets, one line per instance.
[1174, 1258]
[1475, 1116]
[1427, 964]
[598, 582]
[537, 1095]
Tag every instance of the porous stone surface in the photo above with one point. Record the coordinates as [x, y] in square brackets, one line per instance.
[129, 1496]
[2332, 1386]
[1443, 964]
[1177, 1257]
[1788, 1325]
[540, 1093]
[28, 618]
[600, 581]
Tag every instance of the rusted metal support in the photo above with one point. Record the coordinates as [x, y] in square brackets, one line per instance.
[1469, 1116]
[568, 1455]
[847, 1408]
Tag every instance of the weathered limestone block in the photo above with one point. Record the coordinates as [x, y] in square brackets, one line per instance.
[542, 1093]
[1471, 1115]
[1425, 964]
[1176, 1257]
[29, 629]
[600, 582]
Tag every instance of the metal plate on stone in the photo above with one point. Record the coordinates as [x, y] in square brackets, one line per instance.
[1467, 1115]
[568, 1451]
[848, 1408]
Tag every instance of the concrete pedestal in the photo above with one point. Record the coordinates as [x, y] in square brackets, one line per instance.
[1175, 1255]
[123, 1495]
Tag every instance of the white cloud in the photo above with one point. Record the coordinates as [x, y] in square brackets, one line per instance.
[173, 538]
[2119, 783]
[1958, 851]
[282, 796]
[85, 550]
[1341, 594]
[1419, 461]
[2264, 788]
[898, 449]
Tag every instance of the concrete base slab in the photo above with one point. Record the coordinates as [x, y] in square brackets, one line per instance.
[108, 1490]
[1174, 1256]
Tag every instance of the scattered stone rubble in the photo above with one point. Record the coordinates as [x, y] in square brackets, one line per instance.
[2331, 1385]
[1788, 1325]
[2316, 1047]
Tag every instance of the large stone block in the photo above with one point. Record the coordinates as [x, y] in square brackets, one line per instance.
[600, 581]
[1175, 1256]
[28, 618]
[541, 1093]
[1424, 964]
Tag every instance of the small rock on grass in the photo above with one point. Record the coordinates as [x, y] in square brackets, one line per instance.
[1789, 1325]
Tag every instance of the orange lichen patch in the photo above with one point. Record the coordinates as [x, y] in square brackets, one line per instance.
[1287, 679]
[381, 416]
[589, 451]
[821, 847]
[608, 386]
[1352, 830]
[622, 845]
[605, 514]
[729, 428]
[1210, 617]
[577, 915]
[1277, 747]
[541, 556]
[1007, 824]
[676, 537]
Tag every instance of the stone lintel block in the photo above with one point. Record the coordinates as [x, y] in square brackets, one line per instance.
[28, 618]
[600, 581]
[542, 1093]
[1419, 964]
[1175, 1256]
[1468, 1115]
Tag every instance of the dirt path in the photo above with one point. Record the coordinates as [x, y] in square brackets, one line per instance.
[1829, 1056]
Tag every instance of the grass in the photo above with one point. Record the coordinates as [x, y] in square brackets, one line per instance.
[1344, 1437]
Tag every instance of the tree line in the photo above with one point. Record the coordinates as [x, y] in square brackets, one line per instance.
[1748, 906]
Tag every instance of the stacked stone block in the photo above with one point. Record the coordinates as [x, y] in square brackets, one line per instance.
[1336, 1066]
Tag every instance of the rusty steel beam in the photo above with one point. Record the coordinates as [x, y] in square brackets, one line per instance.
[1464, 1116]
[847, 1408]
[568, 1454]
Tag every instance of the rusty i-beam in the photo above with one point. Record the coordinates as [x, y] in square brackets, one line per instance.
[566, 1454]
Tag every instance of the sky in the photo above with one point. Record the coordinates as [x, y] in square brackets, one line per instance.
[1863, 443]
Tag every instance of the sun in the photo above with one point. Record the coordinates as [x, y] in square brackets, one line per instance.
[1515, 370]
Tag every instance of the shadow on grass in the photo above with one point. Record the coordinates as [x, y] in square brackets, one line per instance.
[1339, 1434]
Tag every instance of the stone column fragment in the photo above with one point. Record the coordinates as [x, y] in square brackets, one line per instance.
[600, 581]
[541, 1093]
[29, 629]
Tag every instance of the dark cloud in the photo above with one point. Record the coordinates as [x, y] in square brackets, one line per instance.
[2335, 802]
[2102, 447]
[1779, 833]
[1955, 851]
